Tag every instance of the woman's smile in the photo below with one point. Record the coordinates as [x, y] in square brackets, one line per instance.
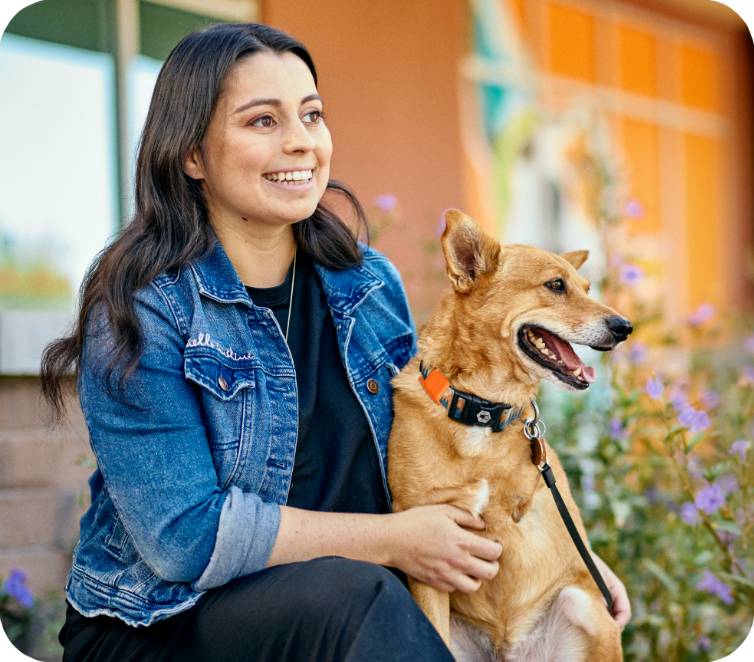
[290, 178]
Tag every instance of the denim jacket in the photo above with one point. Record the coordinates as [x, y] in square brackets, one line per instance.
[195, 453]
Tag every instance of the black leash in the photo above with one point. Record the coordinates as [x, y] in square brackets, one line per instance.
[549, 478]
[539, 458]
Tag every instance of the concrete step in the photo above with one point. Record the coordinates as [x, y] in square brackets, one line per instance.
[38, 458]
[41, 516]
[46, 566]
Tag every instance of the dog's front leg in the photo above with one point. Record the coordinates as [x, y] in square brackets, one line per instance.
[435, 604]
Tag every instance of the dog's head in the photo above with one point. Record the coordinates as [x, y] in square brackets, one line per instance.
[528, 303]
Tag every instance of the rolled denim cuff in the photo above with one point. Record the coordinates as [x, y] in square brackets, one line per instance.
[245, 538]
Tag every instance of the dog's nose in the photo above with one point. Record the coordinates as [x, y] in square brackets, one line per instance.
[620, 327]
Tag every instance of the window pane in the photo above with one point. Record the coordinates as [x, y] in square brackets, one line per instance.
[142, 75]
[57, 174]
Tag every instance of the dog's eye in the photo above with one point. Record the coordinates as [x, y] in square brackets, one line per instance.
[556, 285]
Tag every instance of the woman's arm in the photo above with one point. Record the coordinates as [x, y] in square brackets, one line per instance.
[426, 542]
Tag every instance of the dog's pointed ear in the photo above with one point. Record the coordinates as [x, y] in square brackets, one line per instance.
[469, 251]
[576, 258]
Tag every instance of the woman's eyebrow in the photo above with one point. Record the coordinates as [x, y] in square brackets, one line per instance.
[273, 102]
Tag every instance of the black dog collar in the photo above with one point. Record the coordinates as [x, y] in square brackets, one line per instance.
[466, 408]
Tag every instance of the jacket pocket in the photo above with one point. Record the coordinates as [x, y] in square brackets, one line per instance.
[224, 389]
[220, 375]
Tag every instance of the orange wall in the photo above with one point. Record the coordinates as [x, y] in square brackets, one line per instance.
[388, 75]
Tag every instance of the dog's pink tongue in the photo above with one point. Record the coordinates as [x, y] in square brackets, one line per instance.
[573, 362]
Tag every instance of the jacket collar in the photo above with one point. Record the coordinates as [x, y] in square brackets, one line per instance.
[218, 279]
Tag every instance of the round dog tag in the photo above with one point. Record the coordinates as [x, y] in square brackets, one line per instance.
[538, 451]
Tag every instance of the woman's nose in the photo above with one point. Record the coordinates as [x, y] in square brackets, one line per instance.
[297, 138]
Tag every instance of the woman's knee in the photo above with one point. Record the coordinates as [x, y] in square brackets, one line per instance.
[335, 580]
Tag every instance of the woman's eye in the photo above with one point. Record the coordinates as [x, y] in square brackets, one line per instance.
[313, 116]
[265, 122]
[556, 285]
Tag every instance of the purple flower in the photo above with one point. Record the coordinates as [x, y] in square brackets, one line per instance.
[702, 421]
[728, 484]
[687, 416]
[710, 499]
[655, 387]
[694, 419]
[749, 343]
[386, 202]
[15, 586]
[715, 586]
[739, 448]
[749, 374]
[679, 399]
[631, 274]
[690, 514]
[633, 209]
[711, 399]
[704, 313]
[702, 644]
[617, 431]
[638, 352]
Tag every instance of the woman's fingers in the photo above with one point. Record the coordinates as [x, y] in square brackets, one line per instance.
[480, 547]
[465, 518]
[466, 584]
[482, 569]
[621, 603]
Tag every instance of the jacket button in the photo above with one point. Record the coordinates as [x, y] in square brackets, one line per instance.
[373, 386]
[223, 384]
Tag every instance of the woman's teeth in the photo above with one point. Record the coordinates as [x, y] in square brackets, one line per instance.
[295, 176]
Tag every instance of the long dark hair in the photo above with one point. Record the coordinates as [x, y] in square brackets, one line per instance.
[170, 227]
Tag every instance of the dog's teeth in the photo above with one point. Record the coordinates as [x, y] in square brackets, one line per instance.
[577, 372]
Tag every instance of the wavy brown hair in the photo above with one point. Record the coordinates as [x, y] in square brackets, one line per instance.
[170, 227]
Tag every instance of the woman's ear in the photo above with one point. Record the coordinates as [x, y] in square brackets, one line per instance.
[193, 165]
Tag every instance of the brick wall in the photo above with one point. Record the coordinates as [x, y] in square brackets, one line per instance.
[43, 484]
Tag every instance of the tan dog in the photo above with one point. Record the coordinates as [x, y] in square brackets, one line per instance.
[506, 324]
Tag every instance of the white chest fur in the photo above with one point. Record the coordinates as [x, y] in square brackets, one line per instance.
[476, 440]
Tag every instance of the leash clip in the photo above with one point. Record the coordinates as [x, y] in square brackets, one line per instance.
[531, 425]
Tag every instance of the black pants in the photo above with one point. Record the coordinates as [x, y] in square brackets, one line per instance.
[323, 610]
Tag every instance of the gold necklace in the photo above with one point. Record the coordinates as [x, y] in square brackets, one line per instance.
[290, 303]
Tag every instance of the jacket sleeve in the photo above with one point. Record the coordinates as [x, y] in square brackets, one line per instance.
[154, 454]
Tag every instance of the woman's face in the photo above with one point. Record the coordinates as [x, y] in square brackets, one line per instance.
[265, 160]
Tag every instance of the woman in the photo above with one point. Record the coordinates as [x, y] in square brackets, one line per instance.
[234, 349]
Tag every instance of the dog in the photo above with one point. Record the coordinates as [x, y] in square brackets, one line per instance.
[505, 324]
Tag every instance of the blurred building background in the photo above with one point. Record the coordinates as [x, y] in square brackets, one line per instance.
[540, 118]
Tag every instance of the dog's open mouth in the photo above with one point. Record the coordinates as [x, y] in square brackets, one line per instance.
[548, 350]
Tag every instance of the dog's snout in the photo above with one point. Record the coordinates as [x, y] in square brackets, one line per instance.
[620, 327]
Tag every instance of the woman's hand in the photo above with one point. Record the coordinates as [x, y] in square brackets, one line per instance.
[621, 604]
[429, 544]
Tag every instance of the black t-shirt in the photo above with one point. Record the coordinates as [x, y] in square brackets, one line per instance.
[336, 466]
